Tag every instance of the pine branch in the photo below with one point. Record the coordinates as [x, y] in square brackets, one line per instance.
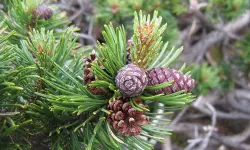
[146, 39]
[55, 103]
[22, 19]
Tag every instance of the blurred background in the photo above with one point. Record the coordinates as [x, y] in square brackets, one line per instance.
[216, 39]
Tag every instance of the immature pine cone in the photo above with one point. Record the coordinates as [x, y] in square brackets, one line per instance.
[129, 42]
[125, 119]
[89, 76]
[161, 75]
[44, 12]
[131, 80]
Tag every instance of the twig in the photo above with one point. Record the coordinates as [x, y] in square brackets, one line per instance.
[193, 143]
[82, 35]
[91, 24]
[235, 141]
[194, 116]
[179, 116]
[239, 138]
[203, 19]
[167, 144]
[199, 105]
[206, 139]
[238, 104]
[244, 94]
[65, 7]
[207, 23]
[218, 36]
[222, 115]
[193, 28]
[77, 14]
[6, 114]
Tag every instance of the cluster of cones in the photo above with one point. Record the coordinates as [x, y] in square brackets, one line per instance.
[131, 81]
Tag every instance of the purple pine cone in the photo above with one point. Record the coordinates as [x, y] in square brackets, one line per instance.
[131, 80]
[180, 81]
[44, 12]
[129, 42]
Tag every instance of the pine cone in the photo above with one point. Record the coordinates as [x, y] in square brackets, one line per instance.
[89, 76]
[161, 75]
[131, 80]
[125, 119]
[129, 42]
[44, 12]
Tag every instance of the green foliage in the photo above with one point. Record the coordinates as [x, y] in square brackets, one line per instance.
[112, 54]
[226, 10]
[212, 77]
[178, 7]
[145, 45]
[5, 50]
[226, 76]
[11, 124]
[42, 90]
[146, 51]
[21, 19]
[244, 45]
[244, 55]
[206, 78]
[113, 64]
[121, 12]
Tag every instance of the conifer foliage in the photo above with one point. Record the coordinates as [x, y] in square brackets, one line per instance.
[44, 99]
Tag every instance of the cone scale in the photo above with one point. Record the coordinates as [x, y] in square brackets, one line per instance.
[161, 75]
[89, 76]
[131, 80]
[125, 119]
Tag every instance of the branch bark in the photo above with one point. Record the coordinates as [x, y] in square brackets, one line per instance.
[217, 36]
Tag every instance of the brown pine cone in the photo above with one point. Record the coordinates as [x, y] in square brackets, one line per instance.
[125, 119]
[161, 75]
[89, 76]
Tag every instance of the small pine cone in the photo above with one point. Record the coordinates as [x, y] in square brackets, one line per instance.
[89, 76]
[161, 75]
[125, 119]
[44, 12]
[131, 80]
[129, 42]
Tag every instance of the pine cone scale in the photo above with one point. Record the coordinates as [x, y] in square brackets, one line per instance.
[89, 76]
[131, 80]
[161, 75]
[125, 119]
